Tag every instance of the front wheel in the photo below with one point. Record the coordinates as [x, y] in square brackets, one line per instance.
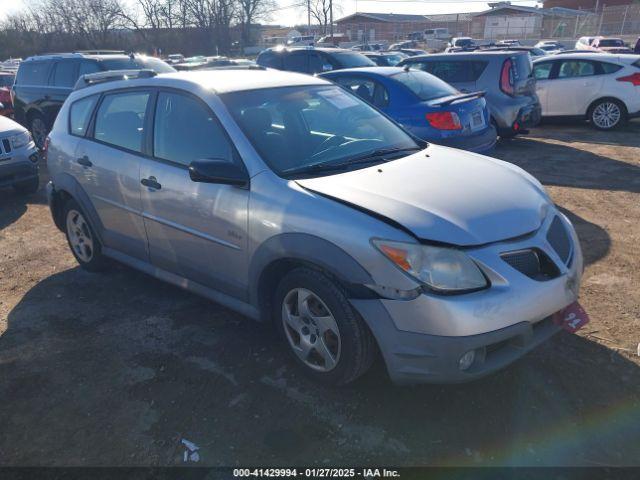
[607, 114]
[323, 333]
[83, 242]
[39, 131]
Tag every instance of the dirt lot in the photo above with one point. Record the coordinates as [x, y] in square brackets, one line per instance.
[116, 368]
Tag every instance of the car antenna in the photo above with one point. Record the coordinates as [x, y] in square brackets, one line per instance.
[407, 67]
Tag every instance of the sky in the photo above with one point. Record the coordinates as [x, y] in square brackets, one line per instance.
[287, 15]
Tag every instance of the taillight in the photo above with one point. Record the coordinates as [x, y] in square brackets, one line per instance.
[634, 78]
[506, 77]
[444, 120]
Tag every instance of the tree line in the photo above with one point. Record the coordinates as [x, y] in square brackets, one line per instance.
[186, 26]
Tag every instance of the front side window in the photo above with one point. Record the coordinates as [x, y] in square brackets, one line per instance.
[542, 70]
[120, 119]
[185, 130]
[65, 74]
[576, 68]
[424, 85]
[79, 115]
[301, 129]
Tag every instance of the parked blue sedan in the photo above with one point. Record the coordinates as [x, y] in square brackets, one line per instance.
[426, 106]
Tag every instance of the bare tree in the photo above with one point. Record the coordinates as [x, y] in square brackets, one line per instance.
[321, 13]
[249, 12]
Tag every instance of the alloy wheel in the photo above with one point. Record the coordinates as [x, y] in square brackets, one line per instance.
[39, 132]
[311, 330]
[80, 237]
[606, 115]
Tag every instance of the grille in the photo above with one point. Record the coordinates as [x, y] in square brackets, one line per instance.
[558, 238]
[6, 146]
[533, 263]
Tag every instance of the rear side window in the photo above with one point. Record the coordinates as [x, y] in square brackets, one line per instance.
[296, 62]
[64, 74]
[368, 90]
[452, 71]
[576, 68]
[120, 119]
[33, 73]
[79, 115]
[186, 130]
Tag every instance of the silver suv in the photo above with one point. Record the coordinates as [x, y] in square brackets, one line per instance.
[290, 200]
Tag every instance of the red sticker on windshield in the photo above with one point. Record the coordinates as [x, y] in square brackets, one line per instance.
[571, 318]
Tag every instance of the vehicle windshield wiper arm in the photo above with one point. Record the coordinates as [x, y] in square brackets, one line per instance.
[368, 157]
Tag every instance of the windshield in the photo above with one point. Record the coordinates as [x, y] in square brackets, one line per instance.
[612, 42]
[297, 128]
[352, 60]
[137, 63]
[424, 85]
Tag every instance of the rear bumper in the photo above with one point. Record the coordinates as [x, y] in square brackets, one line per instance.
[481, 142]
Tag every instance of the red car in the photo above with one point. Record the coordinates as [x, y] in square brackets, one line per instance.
[6, 105]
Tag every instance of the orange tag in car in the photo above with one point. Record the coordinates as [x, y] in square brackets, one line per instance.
[572, 318]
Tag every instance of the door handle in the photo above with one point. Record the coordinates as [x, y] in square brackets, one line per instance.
[151, 182]
[84, 161]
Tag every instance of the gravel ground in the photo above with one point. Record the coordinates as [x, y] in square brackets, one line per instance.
[116, 368]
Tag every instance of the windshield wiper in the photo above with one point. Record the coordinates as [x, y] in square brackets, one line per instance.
[368, 157]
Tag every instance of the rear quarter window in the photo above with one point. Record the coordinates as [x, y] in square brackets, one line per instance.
[33, 73]
[455, 71]
[609, 67]
[79, 115]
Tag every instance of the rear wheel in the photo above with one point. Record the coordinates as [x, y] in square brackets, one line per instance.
[320, 329]
[607, 114]
[39, 130]
[83, 242]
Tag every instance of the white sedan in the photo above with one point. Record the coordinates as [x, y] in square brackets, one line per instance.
[603, 88]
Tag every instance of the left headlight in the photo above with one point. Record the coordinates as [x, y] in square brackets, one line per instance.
[20, 140]
[445, 270]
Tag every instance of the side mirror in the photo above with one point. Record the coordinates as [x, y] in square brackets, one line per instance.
[1, 106]
[217, 170]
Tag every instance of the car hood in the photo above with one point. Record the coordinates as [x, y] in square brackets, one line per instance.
[444, 195]
[9, 126]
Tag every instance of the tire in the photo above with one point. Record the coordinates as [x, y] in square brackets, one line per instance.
[82, 240]
[39, 130]
[347, 353]
[607, 114]
[28, 187]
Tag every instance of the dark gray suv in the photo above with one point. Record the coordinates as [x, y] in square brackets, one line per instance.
[506, 77]
[43, 82]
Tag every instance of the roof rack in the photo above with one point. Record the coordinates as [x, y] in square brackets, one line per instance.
[112, 76]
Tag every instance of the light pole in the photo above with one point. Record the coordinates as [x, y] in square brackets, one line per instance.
[308, 17]
[331, 19]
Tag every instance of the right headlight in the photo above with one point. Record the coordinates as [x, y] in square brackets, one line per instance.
[445, 270]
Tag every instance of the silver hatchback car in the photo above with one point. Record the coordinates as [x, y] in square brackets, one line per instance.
[290, 200]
